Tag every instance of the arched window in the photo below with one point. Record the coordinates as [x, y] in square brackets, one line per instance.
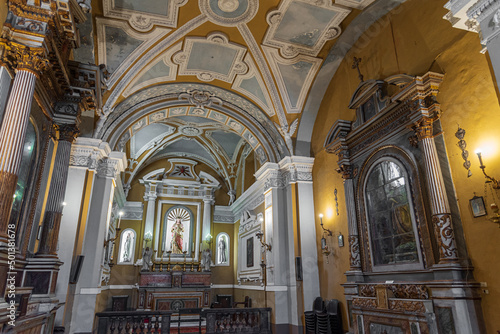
[178, 230]
[391, 222]
[223, 246]
[23, 180]
[127, 247]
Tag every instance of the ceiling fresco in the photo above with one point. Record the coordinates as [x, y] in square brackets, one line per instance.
[212, 80]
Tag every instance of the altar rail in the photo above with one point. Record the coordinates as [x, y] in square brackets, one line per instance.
[133, 321]
[230, 320]
[219, 320]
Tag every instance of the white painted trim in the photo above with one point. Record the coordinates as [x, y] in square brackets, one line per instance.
[90, 291]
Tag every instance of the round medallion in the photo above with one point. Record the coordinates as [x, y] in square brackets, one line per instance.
[229, 12]
[228, 6]
[190, 131]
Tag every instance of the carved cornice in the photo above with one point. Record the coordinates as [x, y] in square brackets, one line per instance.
[86, 152]
[43, 13]
[289, 170]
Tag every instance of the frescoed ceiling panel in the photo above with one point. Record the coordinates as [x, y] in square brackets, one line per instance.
[159, 7]
[216, 75]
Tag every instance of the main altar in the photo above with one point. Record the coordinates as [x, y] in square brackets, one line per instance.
[174, 290]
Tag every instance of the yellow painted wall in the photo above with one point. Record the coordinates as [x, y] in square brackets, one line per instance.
[223, 274]
[414, 39]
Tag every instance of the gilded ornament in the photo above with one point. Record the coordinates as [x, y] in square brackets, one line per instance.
[25, 58]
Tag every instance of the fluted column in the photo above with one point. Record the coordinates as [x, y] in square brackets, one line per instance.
[208, 201]
[53, 211]
[440, 208]
[150, 196]
[29, 62]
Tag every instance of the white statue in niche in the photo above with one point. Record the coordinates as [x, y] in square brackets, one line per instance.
[127, 245]
[126, 248]
[222, 247]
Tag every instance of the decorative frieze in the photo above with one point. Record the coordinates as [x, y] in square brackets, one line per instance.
[445, 236]
[355, 258]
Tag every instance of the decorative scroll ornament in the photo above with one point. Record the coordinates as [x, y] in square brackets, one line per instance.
[25, 58]
[445, 237]
[355, 258]
[460, 134]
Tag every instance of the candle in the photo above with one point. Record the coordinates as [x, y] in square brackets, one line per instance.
[185, 246]
[480, 158]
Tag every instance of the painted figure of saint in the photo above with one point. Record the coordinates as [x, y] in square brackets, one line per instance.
[177, 236]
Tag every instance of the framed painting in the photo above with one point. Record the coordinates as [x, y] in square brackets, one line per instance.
[477, 206]
[250, 252]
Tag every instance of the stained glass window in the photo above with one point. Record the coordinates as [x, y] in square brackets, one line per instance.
[390, 219]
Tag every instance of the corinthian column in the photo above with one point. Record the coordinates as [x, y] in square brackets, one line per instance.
[53, 211]
[440, 208]
[29, 62]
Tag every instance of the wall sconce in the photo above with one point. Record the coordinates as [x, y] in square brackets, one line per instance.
[208, 239]
[495, 183]
[148, 236]
[495, 217]
[326, 232]
[259, 236]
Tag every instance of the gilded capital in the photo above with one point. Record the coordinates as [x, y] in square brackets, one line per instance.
[22, 57]
[423, 128]
[67, 132]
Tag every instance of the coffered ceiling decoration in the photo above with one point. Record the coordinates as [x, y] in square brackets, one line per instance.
[215, 81]
[229, 12]
[211, 58]
[294, 77]
[302, 26]
[142, 15]
[119, 45]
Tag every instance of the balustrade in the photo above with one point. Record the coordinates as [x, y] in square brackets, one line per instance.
[133, 322]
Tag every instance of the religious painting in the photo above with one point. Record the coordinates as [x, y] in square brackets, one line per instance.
[477, 206]
[222, 249]
[250, 252]
[390, 217]
[127, 247]
[178, 230]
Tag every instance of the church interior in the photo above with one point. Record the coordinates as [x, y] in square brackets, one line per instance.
[225, 166]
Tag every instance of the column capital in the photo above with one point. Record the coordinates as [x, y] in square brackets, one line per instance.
[208, 200]
[423, 128]
[21, 57]
[67, 132]
[112, 166]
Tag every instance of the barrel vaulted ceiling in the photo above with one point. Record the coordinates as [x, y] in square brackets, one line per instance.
[212, 80]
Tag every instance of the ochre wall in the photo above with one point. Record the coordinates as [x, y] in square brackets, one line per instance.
[414, 39]
[223, 274]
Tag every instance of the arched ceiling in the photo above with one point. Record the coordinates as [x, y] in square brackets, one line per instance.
[210, 79]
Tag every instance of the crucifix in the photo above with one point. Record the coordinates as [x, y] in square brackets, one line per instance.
[355, 65]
